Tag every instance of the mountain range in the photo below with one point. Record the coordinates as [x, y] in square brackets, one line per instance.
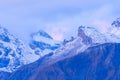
[15, 53]
[91, 55]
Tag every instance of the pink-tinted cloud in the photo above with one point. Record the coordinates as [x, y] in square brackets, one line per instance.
[57, 32]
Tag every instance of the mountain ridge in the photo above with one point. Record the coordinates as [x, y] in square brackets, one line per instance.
[96, 49]
[87, 58]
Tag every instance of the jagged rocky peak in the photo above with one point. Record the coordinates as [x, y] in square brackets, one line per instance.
[115, 28]
[65, 41]
[42, 33]
[4, 34]
[80, 31]
[85, 39]
[116, 23]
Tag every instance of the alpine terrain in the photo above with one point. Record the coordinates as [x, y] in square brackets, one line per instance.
[91, 55]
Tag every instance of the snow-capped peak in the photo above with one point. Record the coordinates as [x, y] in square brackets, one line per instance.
[13, 52]
[42, 42]
[87, 37]
[90, 34]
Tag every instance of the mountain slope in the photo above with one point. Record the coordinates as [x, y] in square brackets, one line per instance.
[4, 75]
[96, 63]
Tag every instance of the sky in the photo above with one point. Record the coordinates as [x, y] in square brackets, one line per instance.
[59, 18]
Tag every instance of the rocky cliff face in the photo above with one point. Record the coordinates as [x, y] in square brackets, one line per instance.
[115, 28]
[85, 39]
[116, 23]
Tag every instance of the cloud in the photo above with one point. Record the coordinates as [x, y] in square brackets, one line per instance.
[102, 26]
[60, 18]
[100, 18]
[57, 31]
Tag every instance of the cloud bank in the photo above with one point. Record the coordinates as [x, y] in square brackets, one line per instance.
[60, 18]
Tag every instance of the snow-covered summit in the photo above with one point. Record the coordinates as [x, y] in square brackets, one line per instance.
[13, 52]
[42, 42]
[96, 36]
[87, 37]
